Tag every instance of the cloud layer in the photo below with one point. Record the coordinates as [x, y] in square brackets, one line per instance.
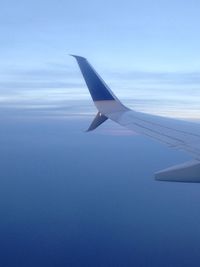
[56, 87]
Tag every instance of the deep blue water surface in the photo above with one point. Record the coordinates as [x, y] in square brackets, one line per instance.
[69, 198]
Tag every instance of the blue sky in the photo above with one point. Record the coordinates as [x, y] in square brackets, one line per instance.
[147, 51]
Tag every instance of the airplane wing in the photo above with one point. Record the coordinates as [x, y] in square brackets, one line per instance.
[177, 134]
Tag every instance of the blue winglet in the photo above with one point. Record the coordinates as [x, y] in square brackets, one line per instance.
[98, 120]
[98, 89]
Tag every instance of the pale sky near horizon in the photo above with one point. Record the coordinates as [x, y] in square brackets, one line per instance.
[147, 51]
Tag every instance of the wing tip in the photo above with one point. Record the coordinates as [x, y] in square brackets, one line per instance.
[77, 57]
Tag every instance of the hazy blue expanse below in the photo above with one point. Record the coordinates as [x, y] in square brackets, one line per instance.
[70, 198]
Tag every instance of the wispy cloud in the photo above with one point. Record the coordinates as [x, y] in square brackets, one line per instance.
[158, 77]
[49, 71]
[18, 85]
[58, 89]
[16, 78]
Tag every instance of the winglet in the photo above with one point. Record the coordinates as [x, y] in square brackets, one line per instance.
[103, 97]
[98, 120]
[98, 89]
[77, 57]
